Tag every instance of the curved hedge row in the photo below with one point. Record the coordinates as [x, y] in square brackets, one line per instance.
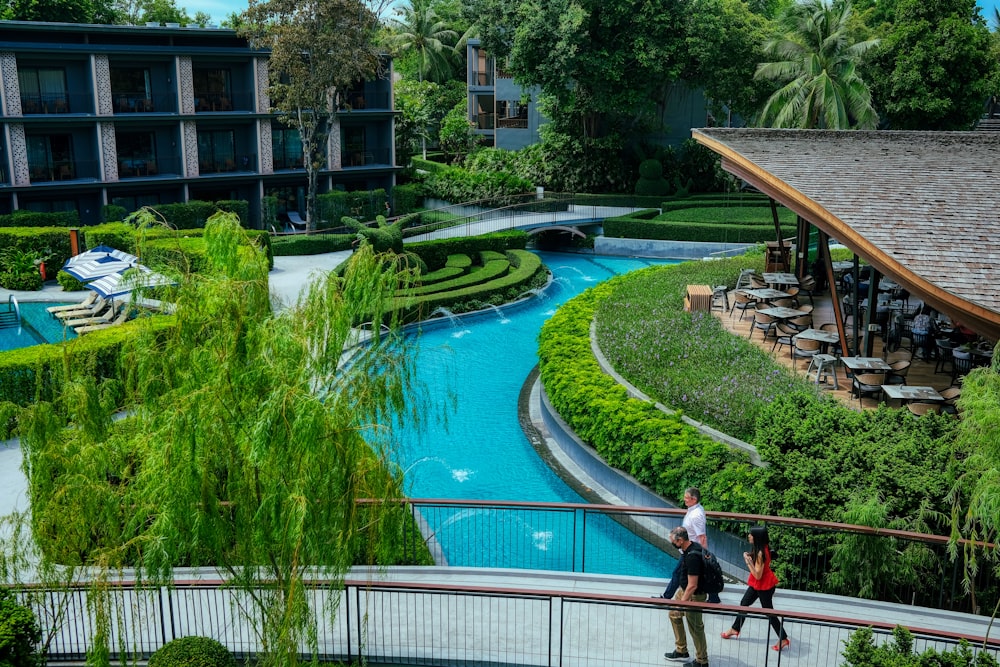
[658, 449]
[492, 269]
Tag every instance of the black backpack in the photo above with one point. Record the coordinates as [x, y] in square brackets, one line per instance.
[711, 581]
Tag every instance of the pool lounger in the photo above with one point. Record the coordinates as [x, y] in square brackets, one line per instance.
[99, 305]
[86, 303]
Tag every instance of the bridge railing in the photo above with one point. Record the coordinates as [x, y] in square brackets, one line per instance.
[857, 561]
[362, 621]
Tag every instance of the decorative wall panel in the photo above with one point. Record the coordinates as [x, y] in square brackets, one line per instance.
[185, 82]
[19, 154]
[109, 152]
[263, 98]
[266, 148]
[333, 145]
[11, 88]
[189, 129]
[102, 76]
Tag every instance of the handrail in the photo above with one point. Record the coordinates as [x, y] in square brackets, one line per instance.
[12, 305]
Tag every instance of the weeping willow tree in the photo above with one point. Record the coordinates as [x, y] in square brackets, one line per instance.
[250, 437]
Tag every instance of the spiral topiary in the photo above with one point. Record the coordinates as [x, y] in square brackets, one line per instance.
[192, 652]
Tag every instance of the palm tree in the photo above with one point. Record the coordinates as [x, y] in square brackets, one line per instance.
[816, 61]
[417, 27]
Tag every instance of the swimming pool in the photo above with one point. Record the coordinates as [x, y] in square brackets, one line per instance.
[482, 453]
[37, 327]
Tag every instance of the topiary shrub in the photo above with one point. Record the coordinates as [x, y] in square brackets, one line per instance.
[192, 652]
[68, 282]
[651, 181]
[19, 633]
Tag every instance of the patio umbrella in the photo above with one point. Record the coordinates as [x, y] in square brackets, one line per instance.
[117, 284]
[100, 252]
[96, 268]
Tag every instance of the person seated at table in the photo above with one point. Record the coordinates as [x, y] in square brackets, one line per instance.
[961, 334]
[924, 330]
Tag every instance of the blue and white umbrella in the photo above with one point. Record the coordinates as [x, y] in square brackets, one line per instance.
[135, 278]
[100, 252]
[97, 268]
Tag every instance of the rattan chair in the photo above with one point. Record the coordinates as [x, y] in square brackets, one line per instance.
[783, 336]
[805, 349]
[762, 322]
[867, 383]
[742, 302]
[921, 409]
[898, 373]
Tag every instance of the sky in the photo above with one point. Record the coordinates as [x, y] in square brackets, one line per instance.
[220, 9]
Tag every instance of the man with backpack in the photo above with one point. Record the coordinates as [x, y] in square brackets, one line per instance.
[695, 522]
[692, 570]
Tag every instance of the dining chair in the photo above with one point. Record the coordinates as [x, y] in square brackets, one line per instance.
[807, 285]
[921, 409]
[898, 373]
[763, 322]
[802, 322]
[757, 282]
[804, 349]
[793, 293]
[742, 302]
[783, 303]
[808, 308]
[961, 363]
[944, 348]
[951, 396]
[783, 336]
[867, 383]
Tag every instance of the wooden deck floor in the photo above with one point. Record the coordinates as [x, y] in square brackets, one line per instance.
[921, 372]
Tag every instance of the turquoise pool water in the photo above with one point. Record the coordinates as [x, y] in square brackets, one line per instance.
[37, 327]
[482, 453]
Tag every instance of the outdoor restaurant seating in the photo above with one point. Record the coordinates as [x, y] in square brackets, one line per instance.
[921, 409]
[757, 282]
[961, 363]
[867, 383]
[793, 293]
[951, 396]
[762, 322]
[807, 285]
[802, 322]
[805, 349]
[898, 373]
[784, 336]
[742, 302]
[944, 348]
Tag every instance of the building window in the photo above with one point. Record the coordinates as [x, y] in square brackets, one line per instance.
[212, 89]
[286, 143]
[131, 90]
[50, 157]
[354, 154]
[482, 74]
[43, 90]
[512, 114]
[288, 198]
[216, 151]
[133, 203]
[485, 118]
[136, 154]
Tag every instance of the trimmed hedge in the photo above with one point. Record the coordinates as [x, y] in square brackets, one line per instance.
[447, 273]
[428, 165]
[658, 449]
[52, 242]
[188, 215]
[192, 652]
[407, 198]
[490, 270]
[635, 228]
[525, 267]
[361, 205]
[312, 244]
[435, 253]
[759, 215]
[29, 374]
[35, 219]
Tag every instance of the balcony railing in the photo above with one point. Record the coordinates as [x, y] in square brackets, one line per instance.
[221, 165]
[357, 101]
[356, 158]
[233, 101]
[289, 161]
[55, 103]
[146, 167]
[62, 170]
[141, 103]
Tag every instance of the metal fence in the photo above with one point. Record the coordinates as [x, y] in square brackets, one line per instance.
[900, 566]
[420, 624]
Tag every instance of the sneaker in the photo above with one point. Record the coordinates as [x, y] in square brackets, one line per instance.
[676, 656]
[695, 663]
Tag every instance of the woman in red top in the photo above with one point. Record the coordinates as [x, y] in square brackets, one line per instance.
[761, 586]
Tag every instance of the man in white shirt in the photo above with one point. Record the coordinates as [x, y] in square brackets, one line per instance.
[695, 523]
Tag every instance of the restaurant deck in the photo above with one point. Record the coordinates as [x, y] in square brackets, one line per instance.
[921, 372]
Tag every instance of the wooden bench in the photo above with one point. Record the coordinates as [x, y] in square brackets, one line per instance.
[698, 298]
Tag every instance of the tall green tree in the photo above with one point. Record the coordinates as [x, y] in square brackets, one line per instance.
[934, 67]
[319, 48]
[422, 105]
[815, 62]
[62, 11]
[248, 444]
[416, 28]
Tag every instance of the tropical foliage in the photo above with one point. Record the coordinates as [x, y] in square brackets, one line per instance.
[316, 47]
[247, 445]
[417, 28]
[815, 61]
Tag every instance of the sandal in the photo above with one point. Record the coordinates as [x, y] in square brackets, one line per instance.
[781, 645]
[731, 634]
